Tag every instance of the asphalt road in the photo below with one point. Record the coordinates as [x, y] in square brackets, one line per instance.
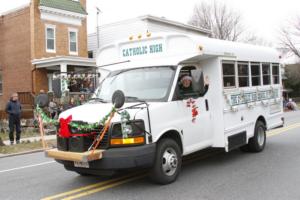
[272, 174]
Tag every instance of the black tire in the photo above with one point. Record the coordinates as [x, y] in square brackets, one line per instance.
[166, 148]
[258, 142]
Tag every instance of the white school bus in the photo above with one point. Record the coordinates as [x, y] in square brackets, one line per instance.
[182, 94]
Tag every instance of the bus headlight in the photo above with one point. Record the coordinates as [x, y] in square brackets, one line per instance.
[135, 131]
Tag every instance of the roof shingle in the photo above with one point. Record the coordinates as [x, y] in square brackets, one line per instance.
[68, 5]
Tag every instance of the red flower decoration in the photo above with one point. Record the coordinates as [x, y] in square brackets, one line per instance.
[191, 103]
[194, 112]
[64, 127]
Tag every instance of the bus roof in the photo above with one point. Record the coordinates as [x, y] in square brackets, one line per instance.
[242, 51]
[174, 49]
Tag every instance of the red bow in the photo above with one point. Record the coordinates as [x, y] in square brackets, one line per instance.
[64, 127]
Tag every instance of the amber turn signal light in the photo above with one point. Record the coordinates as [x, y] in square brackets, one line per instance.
[127, 141]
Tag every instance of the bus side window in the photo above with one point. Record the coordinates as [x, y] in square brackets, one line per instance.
[255, 74]
[275, 73]
[243, 74]
[228, 74]
[266, 73]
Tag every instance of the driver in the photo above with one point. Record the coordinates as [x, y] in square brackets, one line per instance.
[186, 85]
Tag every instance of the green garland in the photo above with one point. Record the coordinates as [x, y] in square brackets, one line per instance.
[47, 120]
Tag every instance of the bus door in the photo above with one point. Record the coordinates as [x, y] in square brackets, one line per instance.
[192, 102]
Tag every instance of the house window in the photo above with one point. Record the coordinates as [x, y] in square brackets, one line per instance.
[275, 73]
[50, 38]
[90, 54]
[73, 42]
[266, 73]
[255, 74]
[1, 82]
[243, 74]
[228, 74]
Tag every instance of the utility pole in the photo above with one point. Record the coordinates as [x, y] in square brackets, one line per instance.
[98, 12]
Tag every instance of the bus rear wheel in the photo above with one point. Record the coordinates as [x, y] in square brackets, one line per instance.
[258, 142]
[167, 162]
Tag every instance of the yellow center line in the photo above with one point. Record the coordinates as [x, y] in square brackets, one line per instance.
[89, 192]
[81, 189]
[282, 130]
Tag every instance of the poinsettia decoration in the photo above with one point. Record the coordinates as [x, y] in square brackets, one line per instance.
[191, 103]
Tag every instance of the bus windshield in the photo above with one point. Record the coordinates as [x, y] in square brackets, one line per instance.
[139, 84]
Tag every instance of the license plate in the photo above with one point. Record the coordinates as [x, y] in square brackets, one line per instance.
[81, 164]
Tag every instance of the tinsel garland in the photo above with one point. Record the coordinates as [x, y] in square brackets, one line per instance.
[47, 120]
[126, 129]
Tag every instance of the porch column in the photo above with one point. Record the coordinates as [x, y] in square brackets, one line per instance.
[63, 80]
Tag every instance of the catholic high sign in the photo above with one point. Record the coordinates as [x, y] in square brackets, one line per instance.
[146, 49]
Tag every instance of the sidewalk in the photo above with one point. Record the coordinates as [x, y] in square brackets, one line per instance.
[32, 139]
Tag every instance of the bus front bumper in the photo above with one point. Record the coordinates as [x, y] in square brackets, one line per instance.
[119, 158]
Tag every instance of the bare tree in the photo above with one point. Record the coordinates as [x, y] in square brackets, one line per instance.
[252, 38]
[292, 72]
[223, 22]
[290, 36]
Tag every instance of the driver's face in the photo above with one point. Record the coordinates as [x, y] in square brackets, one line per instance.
[186, 83]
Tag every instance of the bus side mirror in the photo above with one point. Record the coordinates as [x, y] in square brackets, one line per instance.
[118, 98]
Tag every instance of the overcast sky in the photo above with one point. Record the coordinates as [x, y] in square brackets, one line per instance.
[263, 17]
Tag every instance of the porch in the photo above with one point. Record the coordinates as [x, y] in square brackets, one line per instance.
[53, 74]
[43, 78]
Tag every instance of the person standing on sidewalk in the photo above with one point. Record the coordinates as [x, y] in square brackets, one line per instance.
[13, 108]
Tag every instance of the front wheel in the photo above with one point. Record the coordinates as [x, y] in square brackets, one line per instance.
[167, 162]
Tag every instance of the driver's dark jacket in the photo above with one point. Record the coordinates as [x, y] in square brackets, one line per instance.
[189, 92]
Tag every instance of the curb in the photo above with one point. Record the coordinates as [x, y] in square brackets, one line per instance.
[31, 139]
[24, 153]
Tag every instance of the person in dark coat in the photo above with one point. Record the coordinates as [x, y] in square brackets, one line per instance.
[42, 99]
[14, 109]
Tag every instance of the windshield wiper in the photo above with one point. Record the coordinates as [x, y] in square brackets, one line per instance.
[97, 99]
[134, 99]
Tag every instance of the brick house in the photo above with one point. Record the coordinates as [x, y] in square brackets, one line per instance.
[37, 40]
